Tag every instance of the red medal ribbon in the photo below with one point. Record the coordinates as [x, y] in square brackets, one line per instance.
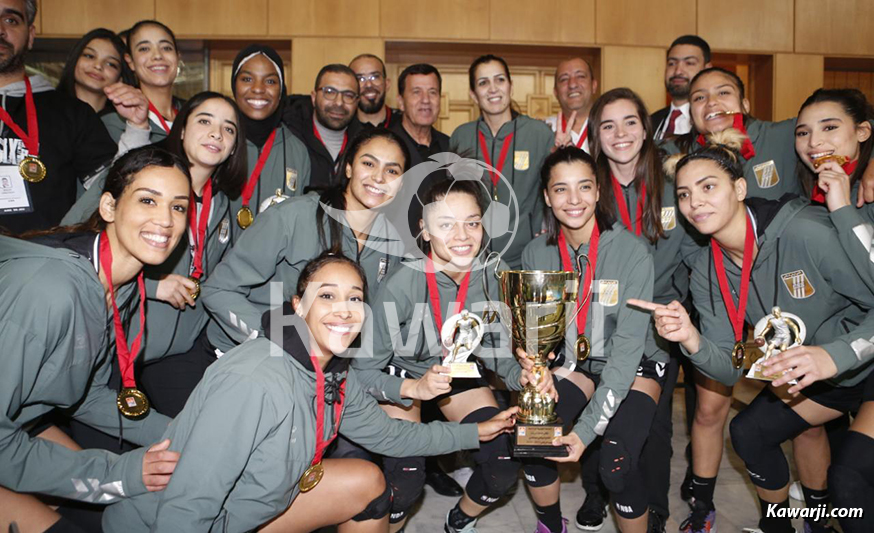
[818, 195]
[321, 443]
[126, 356]
[31, 138]
[736, 314]
[582, 139]
[259, 166]
[505, 148]
[566, 264]
[199, 225]
[157, 113]
[434, 293]
[319, 137]
[623, 208]
[747, 150]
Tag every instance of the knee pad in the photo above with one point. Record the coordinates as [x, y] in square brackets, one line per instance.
[624, 438]
[377, 508]
[756, 435]
[405, 478]
[632, 502]
[615, 464]
[851, 475]
[496, 471]
[540, 472]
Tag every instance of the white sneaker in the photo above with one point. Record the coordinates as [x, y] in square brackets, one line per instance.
[469, 528]
[795, 492]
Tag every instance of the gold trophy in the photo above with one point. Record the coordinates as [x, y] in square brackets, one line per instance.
[539, 302]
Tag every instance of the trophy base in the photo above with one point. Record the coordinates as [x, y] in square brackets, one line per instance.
[535, 440]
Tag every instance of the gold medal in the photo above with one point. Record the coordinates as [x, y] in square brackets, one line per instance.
[245, 217]
[737, 355]
[311, 477]
[583, 347]
[32, 169]
[196, 292]
[132, 403]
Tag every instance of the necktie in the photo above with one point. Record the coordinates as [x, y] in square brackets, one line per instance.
[669, 131]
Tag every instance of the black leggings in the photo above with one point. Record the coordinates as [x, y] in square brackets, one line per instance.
[851, 480]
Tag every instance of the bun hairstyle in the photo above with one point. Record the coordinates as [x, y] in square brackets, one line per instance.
[723, 148]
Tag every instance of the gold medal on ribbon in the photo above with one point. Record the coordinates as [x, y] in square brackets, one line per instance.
[32, 169]
[132, 403]
[583, 348]
[196, 291]
[311, 477]
[737, 355]
[245, 217]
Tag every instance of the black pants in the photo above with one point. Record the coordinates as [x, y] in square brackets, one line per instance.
[169, 382]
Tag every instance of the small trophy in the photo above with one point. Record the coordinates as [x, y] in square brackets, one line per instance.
[277, 198]
[775, 333]
[460, 335]
[539, 302]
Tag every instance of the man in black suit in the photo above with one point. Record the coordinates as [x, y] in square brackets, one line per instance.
[687, 56]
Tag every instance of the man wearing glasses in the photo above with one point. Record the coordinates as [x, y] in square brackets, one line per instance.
[370, 72]
[326, 120]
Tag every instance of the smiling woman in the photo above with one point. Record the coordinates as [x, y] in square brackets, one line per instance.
[95, 62]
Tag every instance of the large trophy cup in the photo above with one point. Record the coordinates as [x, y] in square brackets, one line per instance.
[539, 303]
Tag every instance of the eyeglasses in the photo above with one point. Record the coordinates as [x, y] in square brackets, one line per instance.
[331, 94]
[373, 76]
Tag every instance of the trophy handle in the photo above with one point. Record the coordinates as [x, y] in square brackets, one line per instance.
[580, 259]
[497, 257]
[490, 315]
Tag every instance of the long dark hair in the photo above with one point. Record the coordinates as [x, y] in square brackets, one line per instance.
[67, 81]
[440, 189]
[648, 170]
[230, 176]
[119, 177]
[334, 196]
[686, 143]
[571, 154]
[854, 104]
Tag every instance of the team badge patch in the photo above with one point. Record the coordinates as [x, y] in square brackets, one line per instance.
[798, 285]
[766, 174]
[669, 218]
[225, 230]
[608, 292]
[291, 179]
[520, 160]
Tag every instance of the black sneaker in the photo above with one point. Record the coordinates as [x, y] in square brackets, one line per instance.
[591, 515]
[702, 519]
[656, 522]
[686, 488]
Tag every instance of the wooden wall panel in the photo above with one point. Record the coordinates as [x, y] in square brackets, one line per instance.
[358, 18]
[796, 76]
[550, 21]
[753, 25]
[642, 69]
[644, 22]
[207, 18]
[77, 17]
[419, 19]
[834, 27]
[310, 54]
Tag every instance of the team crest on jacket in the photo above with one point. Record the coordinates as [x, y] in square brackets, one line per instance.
[669, 218]
[797, 284]
[766, 174]
[291, 179]
[608, 292]
[520, 160]
[224, 230]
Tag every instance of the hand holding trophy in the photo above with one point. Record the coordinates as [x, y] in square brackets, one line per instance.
[776, 333]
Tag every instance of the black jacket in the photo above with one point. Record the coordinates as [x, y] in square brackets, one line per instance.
[659, 117]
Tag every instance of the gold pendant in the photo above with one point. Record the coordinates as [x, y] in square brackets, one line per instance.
[32, 169]
[311, 477]
[245, 217]
[737, 355]
[196, 292]
[583, 347]
[132, 403]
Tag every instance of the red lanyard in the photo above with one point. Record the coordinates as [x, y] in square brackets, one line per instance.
[623, 207]
[387, 117]
[31, 138]
[259, 166]
[582, 139]
[319, 137]
[163, 122]
[505, 148]
[434, 293]
[199, 225]
[321, 443]
[736, 314]
[818, 195]
[566, 264]
[747, 150]
[126, 356]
